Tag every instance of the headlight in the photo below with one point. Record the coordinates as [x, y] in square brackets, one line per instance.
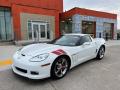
[39, 58]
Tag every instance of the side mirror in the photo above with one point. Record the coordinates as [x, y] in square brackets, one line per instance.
[86, 43]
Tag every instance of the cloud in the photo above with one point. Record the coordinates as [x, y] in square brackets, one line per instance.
[99, 5]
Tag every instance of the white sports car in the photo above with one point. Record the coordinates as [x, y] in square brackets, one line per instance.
[54, 59]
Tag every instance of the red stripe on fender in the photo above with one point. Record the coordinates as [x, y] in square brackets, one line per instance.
[56, 52]
[59, 52]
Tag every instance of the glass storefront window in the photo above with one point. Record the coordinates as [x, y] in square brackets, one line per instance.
[5, 24]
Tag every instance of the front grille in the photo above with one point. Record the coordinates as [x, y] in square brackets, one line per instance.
[21, 70]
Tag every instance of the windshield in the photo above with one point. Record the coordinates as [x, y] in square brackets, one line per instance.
[67, 40]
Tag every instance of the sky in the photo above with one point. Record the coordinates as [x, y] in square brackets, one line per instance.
[112, 6]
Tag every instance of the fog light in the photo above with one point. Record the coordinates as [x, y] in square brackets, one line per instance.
[34, 73]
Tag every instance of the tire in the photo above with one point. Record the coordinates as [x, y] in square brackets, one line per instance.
[59, 68]
[101, 53]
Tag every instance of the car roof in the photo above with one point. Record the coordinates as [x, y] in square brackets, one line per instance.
[77, 34]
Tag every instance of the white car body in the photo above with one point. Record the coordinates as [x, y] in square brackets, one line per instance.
[42, 69]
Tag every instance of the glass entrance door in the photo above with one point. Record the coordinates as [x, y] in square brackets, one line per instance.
[39, 31]
[107, 32]
[43, 31]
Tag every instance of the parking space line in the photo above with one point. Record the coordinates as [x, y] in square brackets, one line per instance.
[5, 62]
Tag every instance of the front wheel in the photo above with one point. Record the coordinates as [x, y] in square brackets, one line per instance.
[101, 53]
[59, 68]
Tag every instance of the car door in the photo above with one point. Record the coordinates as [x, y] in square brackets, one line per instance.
[83, 51]
[77, 54]
[88, 48]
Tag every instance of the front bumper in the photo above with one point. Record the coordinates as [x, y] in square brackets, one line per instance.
[31, 71]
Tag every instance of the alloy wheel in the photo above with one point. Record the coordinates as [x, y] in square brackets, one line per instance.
[102, 52]
[61, 67]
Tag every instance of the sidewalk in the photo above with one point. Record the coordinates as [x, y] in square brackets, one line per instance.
[112, 43]
[6, 52]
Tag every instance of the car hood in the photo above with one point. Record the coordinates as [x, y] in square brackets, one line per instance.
[35, 49]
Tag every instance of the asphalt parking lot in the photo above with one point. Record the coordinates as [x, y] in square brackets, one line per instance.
[92, 75]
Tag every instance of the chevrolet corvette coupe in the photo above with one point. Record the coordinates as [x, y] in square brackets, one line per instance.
[55, 59]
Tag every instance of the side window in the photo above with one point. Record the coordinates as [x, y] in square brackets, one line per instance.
[85, 39]
[88, 38]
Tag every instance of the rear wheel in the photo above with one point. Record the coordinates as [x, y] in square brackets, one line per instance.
[59, 68]
[101, 53]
